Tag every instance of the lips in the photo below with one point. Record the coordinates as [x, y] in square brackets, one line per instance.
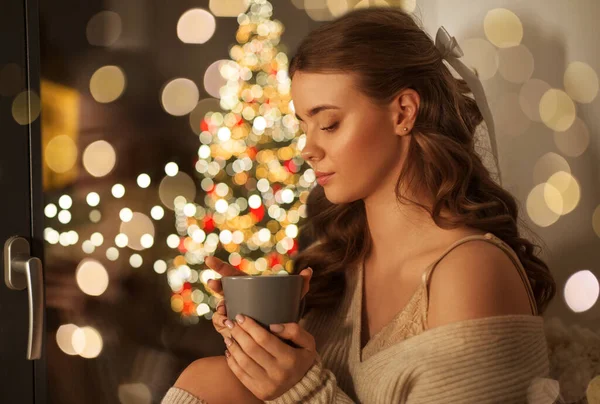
[323, 178]
[319, 174]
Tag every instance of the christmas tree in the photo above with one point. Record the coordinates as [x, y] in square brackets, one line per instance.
[255, 183]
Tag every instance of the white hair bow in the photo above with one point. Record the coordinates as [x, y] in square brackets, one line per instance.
[484, 140]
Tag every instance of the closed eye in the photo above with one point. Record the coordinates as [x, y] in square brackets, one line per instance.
[330, 128]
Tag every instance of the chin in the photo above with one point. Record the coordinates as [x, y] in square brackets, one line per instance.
[337, 198]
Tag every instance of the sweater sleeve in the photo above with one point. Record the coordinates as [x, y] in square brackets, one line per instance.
[318, 386]
[179, 396]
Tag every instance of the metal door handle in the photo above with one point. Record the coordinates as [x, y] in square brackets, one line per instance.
[22, 271]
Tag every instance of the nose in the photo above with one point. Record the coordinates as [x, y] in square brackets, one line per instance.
[311, 151]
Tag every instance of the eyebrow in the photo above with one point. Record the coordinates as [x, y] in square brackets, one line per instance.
[316, 110]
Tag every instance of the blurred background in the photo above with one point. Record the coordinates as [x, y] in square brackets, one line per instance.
[168, 134]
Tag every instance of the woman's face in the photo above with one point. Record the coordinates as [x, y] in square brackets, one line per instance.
[350, 136]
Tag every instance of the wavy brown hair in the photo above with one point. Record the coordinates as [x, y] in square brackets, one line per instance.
[386, 51]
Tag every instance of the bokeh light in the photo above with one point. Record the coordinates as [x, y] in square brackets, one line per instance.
[26, 107]
[548, 165]
[108, 84]
[95, 216]
[228, 8]
[482, 56]
[338, 8]
[50, 210]
[125, 214]
[160, 267]
[157, 212]
[557, 110]
[136, 228]
[143, 180]
[92, 277]
[317, 10]
[64, 216]
[118, 191]
[136, 260]
[65, 202]
[93, 199]
[574, 141]
[180, 96]
[104, 28]
[503, 28]
[196, 26]
[171, 169]
[213, 80]
[64, 338]
[516, 63]
[581, 291]
[99, 158]
[87, 342]
[112, 254]
[180, 184]
[537, 209]
[60, 154]
[530, 95]
[569, 190]
[581, 82]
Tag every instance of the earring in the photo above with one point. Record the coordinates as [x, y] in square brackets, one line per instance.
[405, 129]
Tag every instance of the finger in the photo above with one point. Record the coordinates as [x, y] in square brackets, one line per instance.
[294, 333]
[306, 274]
[272, 345]
[243, 360]
[221, 307]
[237, 370]
[221, 267]
[218, 321]
[253, 349]
[215, 285]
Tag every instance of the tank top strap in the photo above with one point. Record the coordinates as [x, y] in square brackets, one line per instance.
[491, 238]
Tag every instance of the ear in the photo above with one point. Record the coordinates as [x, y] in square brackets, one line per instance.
[404, 109]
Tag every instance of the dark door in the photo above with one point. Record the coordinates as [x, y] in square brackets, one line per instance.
[22, 334]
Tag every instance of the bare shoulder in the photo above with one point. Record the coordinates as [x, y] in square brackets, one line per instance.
[211, 380]
[476, 279]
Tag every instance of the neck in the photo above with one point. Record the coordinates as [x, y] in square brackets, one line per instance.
[398, 232]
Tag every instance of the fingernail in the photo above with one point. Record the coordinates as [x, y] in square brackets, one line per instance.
[239, 318]
[311, 270]
[227, 354]
[276, 327]
[229, 324]
[227, 341]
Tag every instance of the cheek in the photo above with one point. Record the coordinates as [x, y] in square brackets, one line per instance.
[366, 154]
[368, 164]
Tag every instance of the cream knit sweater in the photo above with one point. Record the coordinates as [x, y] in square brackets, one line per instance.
[485, 360]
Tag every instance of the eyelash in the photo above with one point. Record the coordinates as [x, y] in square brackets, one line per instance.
[330, 128]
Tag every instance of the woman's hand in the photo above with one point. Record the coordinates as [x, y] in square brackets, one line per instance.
[262, 362]
[224, 269]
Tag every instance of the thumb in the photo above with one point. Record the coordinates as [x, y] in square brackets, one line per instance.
[222, 268]
[306, 274]
[295, 333]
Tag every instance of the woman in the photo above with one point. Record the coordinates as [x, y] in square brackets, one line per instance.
[407, 194]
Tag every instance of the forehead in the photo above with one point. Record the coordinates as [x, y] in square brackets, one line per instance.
[309, 89]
